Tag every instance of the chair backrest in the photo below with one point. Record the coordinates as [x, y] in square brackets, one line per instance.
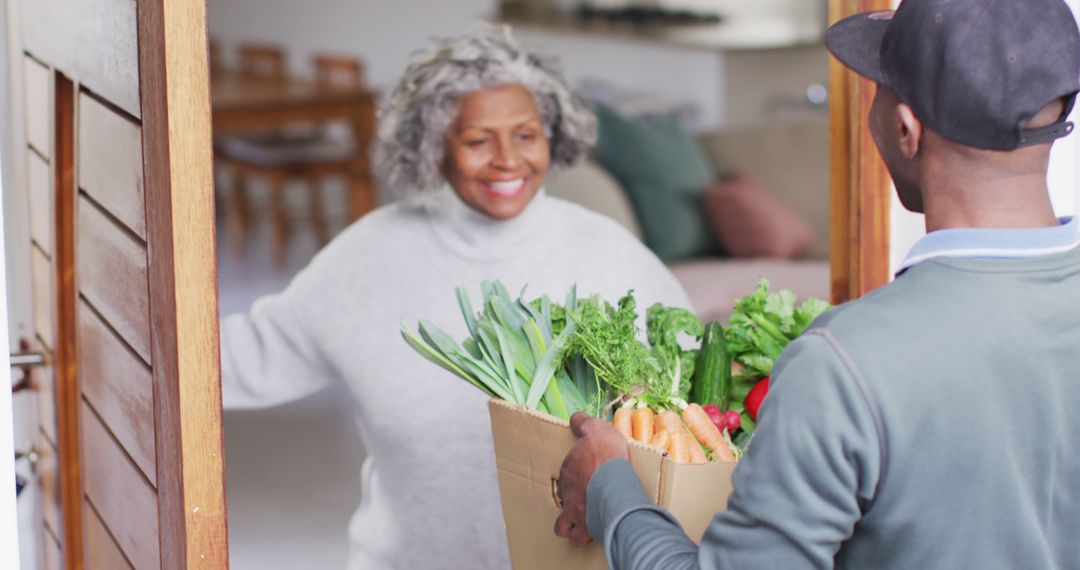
[262, 60]
[338, 70]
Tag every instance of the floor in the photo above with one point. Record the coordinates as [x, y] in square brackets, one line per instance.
[292, 471]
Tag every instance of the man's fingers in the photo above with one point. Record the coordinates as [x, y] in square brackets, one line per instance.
[563, 525]
[578, 422]
[579, 536]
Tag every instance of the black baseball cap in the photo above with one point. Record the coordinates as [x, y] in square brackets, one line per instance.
[973, 71]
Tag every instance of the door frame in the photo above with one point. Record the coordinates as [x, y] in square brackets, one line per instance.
[860, 188]
[178, 186]
[178, 181]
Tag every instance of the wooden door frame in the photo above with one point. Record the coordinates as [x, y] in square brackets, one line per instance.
[860, 190]
[178, 181]
[65, 364]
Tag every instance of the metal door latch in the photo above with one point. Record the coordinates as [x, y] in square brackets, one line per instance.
[24, 361]
[27, 359]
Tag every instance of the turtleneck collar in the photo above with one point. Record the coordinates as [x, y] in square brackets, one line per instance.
[473, 235]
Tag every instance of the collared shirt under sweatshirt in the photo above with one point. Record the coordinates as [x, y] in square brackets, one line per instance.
[430, 496]
[930, 424]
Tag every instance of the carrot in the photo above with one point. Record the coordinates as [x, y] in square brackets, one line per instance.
[706, 432]
[680, 448]
[642, 422]
[662, 439]
[697, 455]
[670, 421]
[622, 421]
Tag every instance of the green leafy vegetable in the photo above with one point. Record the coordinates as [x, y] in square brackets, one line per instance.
[516, 351]
[763, 324]
[664, 325]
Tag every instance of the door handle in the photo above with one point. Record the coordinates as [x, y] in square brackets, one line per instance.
[24, 361]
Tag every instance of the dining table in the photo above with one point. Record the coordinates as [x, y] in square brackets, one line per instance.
[243, 103]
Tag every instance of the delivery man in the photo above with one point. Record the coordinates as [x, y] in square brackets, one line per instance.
[934, 423]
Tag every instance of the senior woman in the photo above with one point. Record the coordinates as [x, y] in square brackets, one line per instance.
[467, 139]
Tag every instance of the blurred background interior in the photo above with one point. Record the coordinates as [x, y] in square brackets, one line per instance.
[737, 86]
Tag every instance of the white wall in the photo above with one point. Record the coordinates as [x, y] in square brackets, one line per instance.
[385, 33]
[1064, 176]
[677, 73]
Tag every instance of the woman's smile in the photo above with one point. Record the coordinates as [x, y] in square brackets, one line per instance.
[506, 188]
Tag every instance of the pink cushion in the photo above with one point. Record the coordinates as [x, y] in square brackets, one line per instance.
[748, 220]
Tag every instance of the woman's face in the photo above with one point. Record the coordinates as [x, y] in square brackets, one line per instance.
[496, 151]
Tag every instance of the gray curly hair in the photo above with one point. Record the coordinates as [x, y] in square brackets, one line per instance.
[415, 117]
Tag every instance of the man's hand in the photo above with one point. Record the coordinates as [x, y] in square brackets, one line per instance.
[598, 442]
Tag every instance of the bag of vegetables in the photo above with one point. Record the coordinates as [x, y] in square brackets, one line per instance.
[585, 356]
[686, 398]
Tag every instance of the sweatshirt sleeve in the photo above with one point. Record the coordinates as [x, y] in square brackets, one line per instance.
[811, 469]
[270, 355]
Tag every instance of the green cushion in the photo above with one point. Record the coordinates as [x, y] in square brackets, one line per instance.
[664, 172]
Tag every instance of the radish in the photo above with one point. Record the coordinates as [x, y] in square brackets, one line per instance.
[716, 416]
[755, 397]
[732, 419]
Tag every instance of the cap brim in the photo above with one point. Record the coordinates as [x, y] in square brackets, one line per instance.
[856, 42]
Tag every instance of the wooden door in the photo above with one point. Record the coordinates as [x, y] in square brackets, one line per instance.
[860, 193]
[116, 170]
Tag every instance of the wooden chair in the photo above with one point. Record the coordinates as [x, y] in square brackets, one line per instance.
[310, 153]
[262, 60]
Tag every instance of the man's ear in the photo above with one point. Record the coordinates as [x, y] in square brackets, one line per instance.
[910, 128]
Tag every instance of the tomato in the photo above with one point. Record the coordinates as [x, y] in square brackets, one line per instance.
[755, 397]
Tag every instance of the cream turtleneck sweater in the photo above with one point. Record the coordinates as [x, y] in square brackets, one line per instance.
[430, 497]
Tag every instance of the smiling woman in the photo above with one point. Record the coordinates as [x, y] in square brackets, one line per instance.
[496, 151]
[467, 139]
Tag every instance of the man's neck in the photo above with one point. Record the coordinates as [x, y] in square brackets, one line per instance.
[1018, 202]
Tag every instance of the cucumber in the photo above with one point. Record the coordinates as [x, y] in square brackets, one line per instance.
[712, 371]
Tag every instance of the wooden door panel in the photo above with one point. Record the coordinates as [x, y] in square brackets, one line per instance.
[111, 264]
[42, 280]
[49, 485]
[118, 384]
[45, 391]
[102, 552]
[93, 41]
[38, 106]
[115, 101]
[40, 199]
[110, 163]
[52, 559]
[119, 493]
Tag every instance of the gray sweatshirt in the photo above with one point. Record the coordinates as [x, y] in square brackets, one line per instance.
[931, 424]
[430, 496]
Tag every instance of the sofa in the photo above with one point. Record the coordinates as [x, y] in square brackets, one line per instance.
[791, 161]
